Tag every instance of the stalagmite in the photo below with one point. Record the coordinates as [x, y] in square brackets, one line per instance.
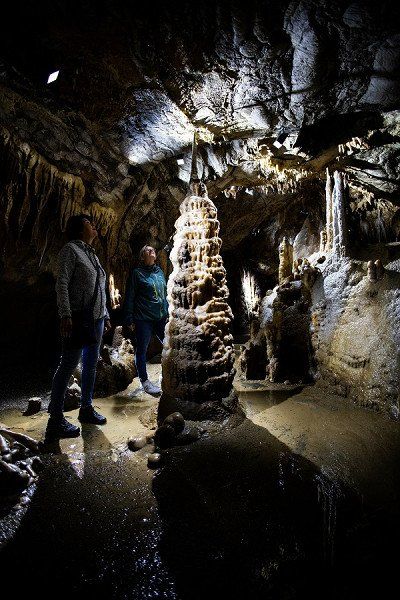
[322, 241]
[198, 354]
[285, 260]
[329, 213]
[371, 270]
[339, 217]
[380, 269]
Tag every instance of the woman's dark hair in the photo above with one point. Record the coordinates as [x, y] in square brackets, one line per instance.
[74, 228]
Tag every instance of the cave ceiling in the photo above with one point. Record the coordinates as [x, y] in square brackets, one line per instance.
[276, 91]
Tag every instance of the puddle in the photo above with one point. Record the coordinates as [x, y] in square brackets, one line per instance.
[254, 402]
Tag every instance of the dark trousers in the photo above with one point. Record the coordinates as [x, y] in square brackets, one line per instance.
[70, 358]
[144, 330]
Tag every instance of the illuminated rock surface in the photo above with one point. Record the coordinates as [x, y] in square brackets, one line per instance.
[301, 498]
[198, 353]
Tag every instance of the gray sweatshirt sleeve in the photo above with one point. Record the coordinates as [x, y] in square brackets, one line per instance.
[66, 266]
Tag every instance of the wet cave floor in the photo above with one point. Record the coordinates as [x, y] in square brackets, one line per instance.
[301, 500]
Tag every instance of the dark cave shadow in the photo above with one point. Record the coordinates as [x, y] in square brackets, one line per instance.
[241, 517]
[94, 439]
[68, 533]
[244, 517]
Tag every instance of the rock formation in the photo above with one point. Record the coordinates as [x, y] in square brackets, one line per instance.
[115, 368]
[19, 466]
[355, 333]
[285, 260]
[336, 233]
[198, 354]
[276, 95]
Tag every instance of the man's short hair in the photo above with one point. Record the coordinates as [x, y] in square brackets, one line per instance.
[74, 228]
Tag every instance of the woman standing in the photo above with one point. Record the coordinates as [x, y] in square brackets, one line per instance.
[80, 291]
[146, 306]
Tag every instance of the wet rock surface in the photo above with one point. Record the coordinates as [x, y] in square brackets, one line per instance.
[19, 467]
[275, 506]
[34, 406]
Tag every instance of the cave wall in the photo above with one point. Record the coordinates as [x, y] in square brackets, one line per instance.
[356, 334]
[276, 93]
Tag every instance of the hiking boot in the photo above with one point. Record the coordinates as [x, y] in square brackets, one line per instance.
[89, 415]
[151, 388]
[57, 429]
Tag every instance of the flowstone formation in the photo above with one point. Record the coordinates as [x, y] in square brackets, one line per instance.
[198, 353]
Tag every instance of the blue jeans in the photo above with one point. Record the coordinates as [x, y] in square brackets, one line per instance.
[70, 358]
[144, 330]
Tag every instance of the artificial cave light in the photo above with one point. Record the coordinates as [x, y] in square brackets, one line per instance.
[53, 76]
[204, 134]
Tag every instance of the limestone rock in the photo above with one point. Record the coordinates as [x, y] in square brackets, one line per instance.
[154, 460]
[34, 406]
[198, 353]
[164, 436]
[176, 420]
[137, 443]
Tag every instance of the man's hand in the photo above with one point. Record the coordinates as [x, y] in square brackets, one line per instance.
[107, 326]
[66, 327]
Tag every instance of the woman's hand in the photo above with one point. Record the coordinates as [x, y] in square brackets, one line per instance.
[107, 326]
[66, 327]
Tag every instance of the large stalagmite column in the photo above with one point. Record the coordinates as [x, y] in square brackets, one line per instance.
[198, 354]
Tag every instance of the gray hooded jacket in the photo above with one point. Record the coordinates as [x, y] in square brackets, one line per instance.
[76, 280]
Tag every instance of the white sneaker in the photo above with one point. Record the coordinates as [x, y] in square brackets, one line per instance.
[151, 388]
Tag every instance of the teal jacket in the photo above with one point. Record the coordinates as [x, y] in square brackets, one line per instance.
[146, 295]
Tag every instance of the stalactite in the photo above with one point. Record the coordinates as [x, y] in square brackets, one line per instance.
[34, 194]
[198, 353]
